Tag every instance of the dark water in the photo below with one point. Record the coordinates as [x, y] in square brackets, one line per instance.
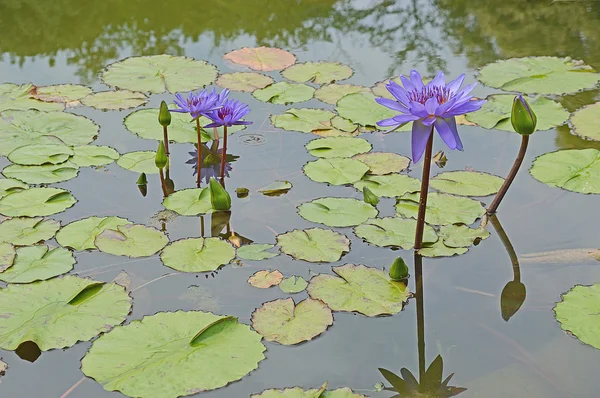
[69, 41]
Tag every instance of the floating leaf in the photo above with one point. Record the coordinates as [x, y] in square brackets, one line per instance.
[393, 231]
[439, 249]
[115, 100]
[586, 122]
[189, 202]
[389, 185]
[23, 231]
[317, 72]
[38, 263]
[335, 171]
[442, 209]
[381, 163]
[265, 279]
[366, 290]
[244, 81]
[7, 255]
[11, 185]
[461, 235]
[380, 90]
[332, 93]
[159, 73]
[131, 240]
[288, 324]
[256, 252]
[139, 162]
[93, 155]
[197, 254]
[305, 120]
[337, 212]
[261, 58]
[337, 147]
[576, 170]
[467, 183]
[65, 93]
[80, 235]
[293, 284]
[543, 75]
[295, 392]
[39, 154]
[276, 188]
[361, 108]
[45, 174]
[35, 202]
[59, 312]
[314, 245]
[13, 96]
[577, 313]
[284, 93]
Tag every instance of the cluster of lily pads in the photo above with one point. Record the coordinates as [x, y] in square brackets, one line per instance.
[47, 145]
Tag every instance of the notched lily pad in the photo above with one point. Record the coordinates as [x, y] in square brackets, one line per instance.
[197, 254]
[11, 185]
[7, 255]
[576, 170]
[80, 235]
[297, 392]
[244, 81]
[39, 154]
[314, 245]
[139, 162]
[276, 188]
[439, 249]
[361, 108]
[338, 147]
[24, 231]
[332, 93]
[389, 185]
[115, 100]
[461, 235]
[586, 122]
[293, 284]
[337, 212]
[467, 183]
[22, 97]
[284, 93]
[131, 240]
[442, 209]
[317, 72]
[265, 279]
[93, 155]
[37, 263]
[305, 120]
[44, 174]
[393, 232]
[69, 94]
[381, 163]
[577, 313]
[261, 58]
[256, 252]
[35, 202]
[189, 202]
[335, 171]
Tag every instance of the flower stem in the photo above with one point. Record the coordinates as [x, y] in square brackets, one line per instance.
[166, 139]
[511, 176]
[224, 155]
[420, 314]
[199, 158]
[216, 134]
[162, 182]
[423, 195]
[508, 246]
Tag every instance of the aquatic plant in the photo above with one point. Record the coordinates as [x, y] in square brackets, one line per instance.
[164, 118]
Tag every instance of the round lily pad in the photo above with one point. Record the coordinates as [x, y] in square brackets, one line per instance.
[586, 122]
[189, 202]
[335, 171]
[467, 183]
[39, 154]
[115, 100]
[23, 231]
[288, 323]
[380, 90]
[139, 162]
[35, 202]
[65, 93]
[332, 93]
[442, 209]
[317, 72]
[366, 290]
[80, 235]
[93, 155]
[337, 212]
[284, 93]
[7, 255]
[159, 73]
[305, 120]
[381, 163]
[37, 263]
[131, 240]
[11, 185]
[60, 312]
[361, 108]
[265, 279]
[256, 252]
[543, 75]
[389, 185]
[577, 313]
[13, 96]
[199, 351]
[261, 58]
[297, 392]
[337, 147]
[44, 174]
[576, 170]
[197, 254]
[461, 235]
[293, 284]
[314, 245]
[394, 232]
[244, 81]
[439, 249]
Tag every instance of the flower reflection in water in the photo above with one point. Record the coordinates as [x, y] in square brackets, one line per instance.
[211, 161]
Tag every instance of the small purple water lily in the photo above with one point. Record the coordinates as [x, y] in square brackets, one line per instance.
[432, 105]
[200, 103]
[229, 114]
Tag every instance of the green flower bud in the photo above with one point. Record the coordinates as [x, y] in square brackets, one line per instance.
[522, 117]
[398, 270]
[219, 198]
[370, 197]
[164, 116]
[142, 180]
[161, 156]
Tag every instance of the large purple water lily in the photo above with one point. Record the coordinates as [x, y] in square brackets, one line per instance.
[200, 103]
[435, 104]
[229, 114]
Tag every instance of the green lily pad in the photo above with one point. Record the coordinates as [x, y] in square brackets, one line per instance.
[381, 163]
[361, 108]
[305, 120]
[80, 235]
[69, 94]
[439, 249]
[24, 231]
[293, 284]
[288, 323]
[199, 351]
[577, 313]
[38, 263]
[255, 252]
[335, 171]
[461, 235]
[60, 312]
[265, 279]
[36, 155]
[25, 128]
[576, 170]
[357, 288]
[467, 183]
[442, 209]
[159, 73]
[332, 93]
[189, 202]
[197, 254]
[45, 174]
[276, 188]
[495, 113]
[93, 155]
[261, 58]
[394, 232]
[317, 72]
[13, 96]
[294, 392]
[586, 122]
[11, 185]
[35, 202]
[314, 245]
[284, 93]
[543, 75]
[139, 162]
[389, 185]
[7, 255]
[380, 90]
[131, 240]
[115, 100]
[244, 81]
[337, 212]
[338, 147]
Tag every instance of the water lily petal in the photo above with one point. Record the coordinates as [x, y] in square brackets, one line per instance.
[455, 84]
[407, 83]
[429, 120]
[420, 135]
[398, 92]
[469, 106]
[438, 80]
[446, 133]
[452, 124]
[388, 122]
[405, 118]
[418, 109]
[431, 105]
[395, 105]
[416, 79]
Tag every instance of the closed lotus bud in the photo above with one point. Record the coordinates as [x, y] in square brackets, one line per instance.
[219, 198]
[142, 180]
[522, 117]
[161, 156]
[370, 197]
[164, 116]
[398, 270]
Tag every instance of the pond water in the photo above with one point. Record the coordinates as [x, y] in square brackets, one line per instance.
[66, 41]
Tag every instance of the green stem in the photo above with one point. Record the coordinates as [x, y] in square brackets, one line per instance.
[224, 155]
[507, 245]
[420, 314]
[423, 195]
[162, 182]
[166, 139]
[199, 158]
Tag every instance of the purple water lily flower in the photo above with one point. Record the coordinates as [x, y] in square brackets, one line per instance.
[427, 106]
[200, 103]
[229, 114]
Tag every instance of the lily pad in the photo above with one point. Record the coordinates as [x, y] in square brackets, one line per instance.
[93, 155]
[159, 73]
[189, 202]
[131, 240]
[577, 313]
[294, 392]
[586, 122]
[314, 245]
[115, 100]
[38, 263]
[80, 235]
[442, 209]
[338, 147]
[293, 284]
[393, 232]
[332, 93]
[60, 312]
[261, 58]
[337, 212]
[389, 185]
[69, 94]
[276, 188]
[197, 254]
[335, 171]
[439, 249]
[45, 174]
[243, 81]
[11, 185]
[256, 252]
[139, 162]
[284, 93]
[35, 202]
[35, 155]
[361, 108]
[7, 255]
[543, 75]
[366, 290]
[288, 323]
[13, 96]
[381, 163]
[305, 120]
[467, 183]
[317, 72]
[461, 235]
[576, 170]
[23, 231]
[265, 279]
[380, 90]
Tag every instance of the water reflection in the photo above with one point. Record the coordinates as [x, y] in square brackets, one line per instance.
[211, 161]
